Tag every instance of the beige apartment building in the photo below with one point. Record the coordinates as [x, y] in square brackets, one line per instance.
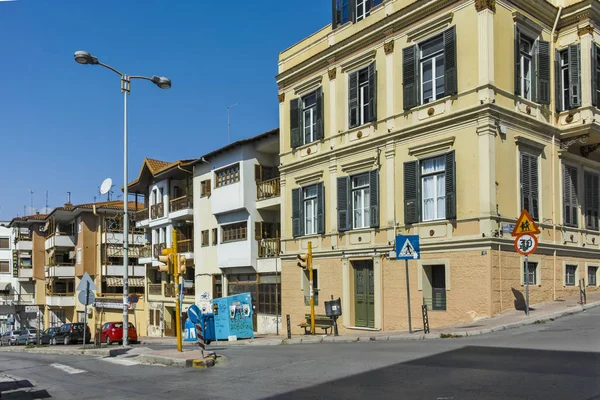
[443, 119]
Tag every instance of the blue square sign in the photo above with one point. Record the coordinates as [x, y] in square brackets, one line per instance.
[407, 247]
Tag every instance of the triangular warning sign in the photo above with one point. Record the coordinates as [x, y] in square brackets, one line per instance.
[525, 224]
[408, 250]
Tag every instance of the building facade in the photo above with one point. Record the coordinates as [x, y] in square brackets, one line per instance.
[442, 119]
[236, 217]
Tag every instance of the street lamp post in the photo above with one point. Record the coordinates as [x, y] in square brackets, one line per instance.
[83, 57]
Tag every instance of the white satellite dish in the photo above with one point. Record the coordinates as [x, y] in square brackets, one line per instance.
[106, 185]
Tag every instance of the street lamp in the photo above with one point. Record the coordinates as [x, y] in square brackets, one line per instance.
[83, 57]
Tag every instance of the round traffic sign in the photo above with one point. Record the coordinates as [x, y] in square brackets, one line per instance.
[526, 243]
[91, 297]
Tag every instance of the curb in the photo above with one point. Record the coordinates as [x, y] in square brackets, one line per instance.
[206, 362]
[103, 352]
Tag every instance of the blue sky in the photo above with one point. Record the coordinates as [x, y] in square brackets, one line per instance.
[61, 123]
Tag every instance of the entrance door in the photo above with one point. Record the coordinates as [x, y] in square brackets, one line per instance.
[364, 294]
[438, 287]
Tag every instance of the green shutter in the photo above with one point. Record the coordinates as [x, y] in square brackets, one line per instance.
[374, 197]
[411, 192]
[352, 6]
[320, 208]
[574, 76]
[296, 122]
[595, 75]
[517, 61]
[558, 89]
[372, 92]
[410, 76]
[543, 89]
[320, 120]
[450, 186]
[334, 14]
[343, 197]
[352, 99]
[450, 73]
[297, 220]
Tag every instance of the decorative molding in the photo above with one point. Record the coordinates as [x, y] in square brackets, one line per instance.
[388, 47]
[332, 73]
[432, 147]
[312, 177]
[587, 149]
[523, 141]
[527, 23]
[281, 97]
[566, 143]
[430, 28]
[365, 164]
[481, 5]
[308, 86]
[359, 61]
[585, 30]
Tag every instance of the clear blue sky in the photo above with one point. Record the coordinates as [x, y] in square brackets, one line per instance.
[61, 123]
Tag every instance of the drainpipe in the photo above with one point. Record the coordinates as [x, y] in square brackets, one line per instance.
[553, 162]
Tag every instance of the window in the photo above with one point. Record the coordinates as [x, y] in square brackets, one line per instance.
[351, 10]
[4, 267]
[78, 256]
[568, 80]
[429, 70]
[360, 201]
[307, 286]
[595, 75]
[362, 93]
[227, 176]
[234, 232]
[592, 200]
[215, 239]
[204, 238]
[564, 79]
[4, 243]
[269, 294]
[592, 274]
[532, 68]
[526, 56]
[529, 184]
[308, 205]
[570, 201]
[306, 119]
[362, 9]
[310, 210]
[570, 271]
[530, 277]
[205, 188]
[433, 188]
[217, 286]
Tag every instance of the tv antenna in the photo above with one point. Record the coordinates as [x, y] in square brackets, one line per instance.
[31, 192]
[106, 187]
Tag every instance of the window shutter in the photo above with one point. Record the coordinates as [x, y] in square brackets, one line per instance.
[352, 6]
[543, 89]
[558, 89]
[450, 186]
[517, 61]
[595, 75]
[574, 76]
[374, 197]
[258, 172]
[450, 73]
[296, 122]
[320, 208]
[410, 76]
[335, 20]
[372, 92]
[343, 197]
[595, 201]
[411, 192]
[588, 194]
[258, 230]
[320, 120]
[570, 195]
[352, 99]
[297, 221]
[526, 183]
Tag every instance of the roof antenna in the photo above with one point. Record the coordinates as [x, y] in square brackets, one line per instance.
[106, 186]
[46, 210]
[229, 122]
[31, 196]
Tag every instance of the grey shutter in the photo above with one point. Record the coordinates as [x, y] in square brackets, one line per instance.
[574, 76]
[372, 92]
[353, 99]
[592, 200]
[529, 185]
[558, 89]
[297, 220]
[595, 75]
[450, 186]
[320, 208]
[517, 61]
[543, 89]
[374, 197]
[450, 72]
[411, 192]
[334, 14]
[534, 187]
[352, 7]
[320, 120]
[343, 197]
[570, 208]
[296, 122]
[410, 77]
[534, 70]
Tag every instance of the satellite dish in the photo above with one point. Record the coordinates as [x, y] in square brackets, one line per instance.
[106, 185]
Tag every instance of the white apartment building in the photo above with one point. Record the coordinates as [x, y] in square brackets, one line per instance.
[236, 220]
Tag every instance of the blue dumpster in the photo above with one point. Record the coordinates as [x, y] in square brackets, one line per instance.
[208, 327]
[234, 317]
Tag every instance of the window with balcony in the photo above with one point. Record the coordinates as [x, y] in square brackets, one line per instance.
[306, 119]
[351, 10]
[362, 96]
[568, 80]
[227, 176]
[532, 67]
[310, 210]
[234, 232]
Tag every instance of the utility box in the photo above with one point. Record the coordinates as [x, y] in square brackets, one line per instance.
[333, 308]
[233, 317]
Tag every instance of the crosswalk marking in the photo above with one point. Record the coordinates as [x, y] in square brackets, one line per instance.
[67, 369]
[120, 361]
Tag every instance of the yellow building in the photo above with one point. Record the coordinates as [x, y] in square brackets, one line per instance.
[442, 119]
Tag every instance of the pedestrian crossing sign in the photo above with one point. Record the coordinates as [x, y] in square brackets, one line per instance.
[407, 247]
[525, 224]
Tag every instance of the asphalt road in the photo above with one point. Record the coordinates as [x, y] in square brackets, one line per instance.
[557, 360]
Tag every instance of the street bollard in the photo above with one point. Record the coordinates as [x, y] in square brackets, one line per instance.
[289, 326]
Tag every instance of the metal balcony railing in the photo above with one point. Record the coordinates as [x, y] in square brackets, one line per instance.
[268, 248]
[142, 214]
[157, 211]
[437, 302]
[170, 290]
[17, 299]
[185, 246]
[146, 251]
[155, 289]
[158, 248]
[269, 188]
[181, 203]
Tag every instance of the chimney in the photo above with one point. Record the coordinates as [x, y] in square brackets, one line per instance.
[68, 203]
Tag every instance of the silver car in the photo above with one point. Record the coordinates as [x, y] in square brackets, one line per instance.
[9, 338]
[27, 336]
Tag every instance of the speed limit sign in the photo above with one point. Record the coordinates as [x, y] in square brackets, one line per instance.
[526, 243]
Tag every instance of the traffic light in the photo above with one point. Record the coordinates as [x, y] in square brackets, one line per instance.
[302, 260]
[167, 259]
[182, 263]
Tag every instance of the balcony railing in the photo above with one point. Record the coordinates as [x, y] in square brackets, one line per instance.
[155, 289]
[158, 248]
[146, 252]
[437, 301]
[157, 211]
[185, 246]
[268, 248]
[269, 188]
[180, 203]
[17, 299]
[142, 214]
[170, 290]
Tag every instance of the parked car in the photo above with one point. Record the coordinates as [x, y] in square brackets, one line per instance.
[113, 332]
[7, 339]
[72, 333]
[27, 336]
[48, 336]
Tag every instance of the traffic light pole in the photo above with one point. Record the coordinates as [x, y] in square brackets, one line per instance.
[312, 290]
[177, 298]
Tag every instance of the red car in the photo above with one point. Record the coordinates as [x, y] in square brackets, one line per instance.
[113, 332]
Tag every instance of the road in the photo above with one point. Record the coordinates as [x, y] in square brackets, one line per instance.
[557, 360]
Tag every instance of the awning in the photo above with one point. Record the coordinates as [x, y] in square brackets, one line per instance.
[114, 281]
[136, 282]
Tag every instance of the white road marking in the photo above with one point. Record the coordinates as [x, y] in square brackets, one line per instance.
[120, 361]
[67, 369]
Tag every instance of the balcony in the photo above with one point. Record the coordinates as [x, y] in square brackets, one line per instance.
[25, 273]
[170, 290]
[185, 246]
[142, 217]
[268, 248]
[181, 208]
[268, 194]
[60, 270]
[157, 211]
[117, 270]
[60, 240]
[155, 289]
[145, 256]
[16, 299]
[24, 245]
[158, 248]
[116, 237]
[60, 299]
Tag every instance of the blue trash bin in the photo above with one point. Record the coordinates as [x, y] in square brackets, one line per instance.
[208, 327]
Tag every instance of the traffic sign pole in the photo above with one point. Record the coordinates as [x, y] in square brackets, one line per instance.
[526, 285]
[408, 296]
[87, 301]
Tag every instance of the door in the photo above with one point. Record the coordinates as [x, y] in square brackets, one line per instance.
[364, 294]
[438, 287]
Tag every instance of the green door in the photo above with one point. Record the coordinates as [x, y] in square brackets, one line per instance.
[364, 294]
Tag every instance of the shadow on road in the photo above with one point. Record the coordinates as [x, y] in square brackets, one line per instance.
[16, 393]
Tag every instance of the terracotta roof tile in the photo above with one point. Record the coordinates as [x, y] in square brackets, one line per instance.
[156, 165]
